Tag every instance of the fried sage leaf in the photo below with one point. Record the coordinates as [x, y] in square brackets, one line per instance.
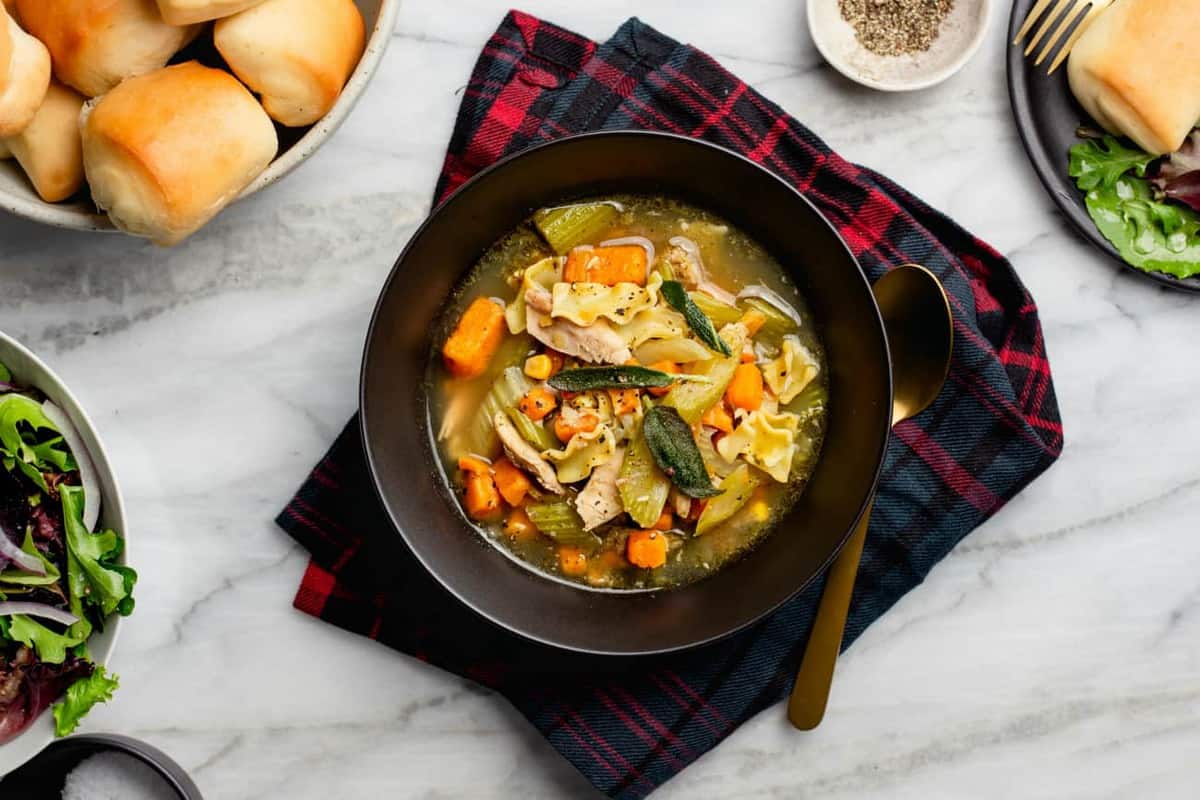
[586, 379]
[697, 320]
[674, 450]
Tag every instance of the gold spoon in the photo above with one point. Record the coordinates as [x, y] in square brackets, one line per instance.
[920, 335]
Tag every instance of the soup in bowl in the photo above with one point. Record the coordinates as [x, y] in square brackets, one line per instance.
[752, 258]
[628, 393]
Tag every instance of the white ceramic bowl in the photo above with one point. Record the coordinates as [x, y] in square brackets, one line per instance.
[18, 197]
[28, 369]
[961, 35]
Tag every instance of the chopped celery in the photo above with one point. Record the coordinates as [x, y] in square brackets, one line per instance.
[736, 489]
[510, 386]
[568, 226]
[777, 326]
[811, 401]
[720, 313]
[642, 485]
[557, 519]
[692, 399]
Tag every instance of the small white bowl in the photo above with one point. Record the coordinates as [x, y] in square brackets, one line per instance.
[30, 370]
[961, 35]
[18, 197]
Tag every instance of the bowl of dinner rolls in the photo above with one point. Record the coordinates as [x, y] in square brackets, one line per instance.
[151, 116]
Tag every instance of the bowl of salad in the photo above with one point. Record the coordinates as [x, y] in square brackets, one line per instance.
[65, 582]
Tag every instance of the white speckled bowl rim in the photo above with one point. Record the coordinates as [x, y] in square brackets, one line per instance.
[80, 219]
[822, 23]
[32, 371]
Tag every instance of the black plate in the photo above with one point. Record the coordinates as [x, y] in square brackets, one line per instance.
[395, 414]
[1047, 117]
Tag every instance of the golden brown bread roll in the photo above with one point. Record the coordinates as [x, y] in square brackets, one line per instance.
[5, 153]
[95, 44]
[187, 12]
[1136, 70]
[297, 54]
[48, 149]
[24, 76]
[164, 152]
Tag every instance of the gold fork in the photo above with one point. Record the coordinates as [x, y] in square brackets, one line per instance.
[1065, 12]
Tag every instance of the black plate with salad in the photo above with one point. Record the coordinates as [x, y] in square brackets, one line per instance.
[61, 578]
[1141, 209]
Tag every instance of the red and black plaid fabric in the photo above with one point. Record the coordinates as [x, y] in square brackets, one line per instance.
[628, 727]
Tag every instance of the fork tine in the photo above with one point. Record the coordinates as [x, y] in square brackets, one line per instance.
[1048, 23]
[1097, 7]
[1031, 18]
[1067, 19]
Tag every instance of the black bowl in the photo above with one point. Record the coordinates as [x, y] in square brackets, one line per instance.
[43, 777]
[395, 413]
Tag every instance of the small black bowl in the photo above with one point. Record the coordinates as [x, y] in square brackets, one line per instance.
[396, 425]
[42, 778]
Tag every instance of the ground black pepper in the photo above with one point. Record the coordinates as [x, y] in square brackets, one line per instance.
[895, 27]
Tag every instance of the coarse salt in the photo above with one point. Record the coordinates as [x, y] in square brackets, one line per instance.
[113, 775]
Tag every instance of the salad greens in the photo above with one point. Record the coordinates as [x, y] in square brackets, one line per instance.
[59, 580]
[1150, 231]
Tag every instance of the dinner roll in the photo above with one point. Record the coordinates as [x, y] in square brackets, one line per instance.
[186, 12]
[5, 153]
[165, 151]
[297, 54]
[1136, 70]
[95, 44]
[24, 76]
[48, 149]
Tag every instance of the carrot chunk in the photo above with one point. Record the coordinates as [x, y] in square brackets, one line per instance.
[474, 466]
[646, 549]
[537, 403]
[471, 346]
[746, 388]
[482, 499]
[565, 431]
[753, 319]
[663, 366]
[625, 401]
[511, 482]
[665, 521]
[718, 417]
[625, 263]
[572, 561]
[519, 526]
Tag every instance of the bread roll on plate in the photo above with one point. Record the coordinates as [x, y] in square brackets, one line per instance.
[1136, 70]
[297, 54]
[24, 75]
[186, 12]
[48, 149]
[95, 44]
[164, 152]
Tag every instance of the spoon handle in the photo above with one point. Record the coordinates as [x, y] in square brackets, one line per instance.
[806, 706]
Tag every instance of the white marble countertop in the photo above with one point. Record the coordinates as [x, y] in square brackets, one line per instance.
[1056, 653]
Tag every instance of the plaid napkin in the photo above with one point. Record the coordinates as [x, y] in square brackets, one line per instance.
[628, 727]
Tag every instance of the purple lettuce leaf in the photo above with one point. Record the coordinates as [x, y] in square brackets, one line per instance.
[1178, 175]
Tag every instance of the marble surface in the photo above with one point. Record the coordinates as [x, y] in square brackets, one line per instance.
[1056, 653]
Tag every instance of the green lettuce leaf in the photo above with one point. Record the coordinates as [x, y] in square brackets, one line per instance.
[14, 576]
[50, 647]
[93, 576]
[32, 457]
[80, 697]
[1149, 234]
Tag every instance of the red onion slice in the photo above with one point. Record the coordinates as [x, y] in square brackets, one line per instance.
[767, 296]
[640, 241]
[10, 607]
[11, 551]
[87, 470]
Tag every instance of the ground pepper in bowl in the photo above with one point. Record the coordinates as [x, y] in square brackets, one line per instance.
[896, 27]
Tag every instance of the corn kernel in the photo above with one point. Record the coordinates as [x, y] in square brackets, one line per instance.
[539, 367]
